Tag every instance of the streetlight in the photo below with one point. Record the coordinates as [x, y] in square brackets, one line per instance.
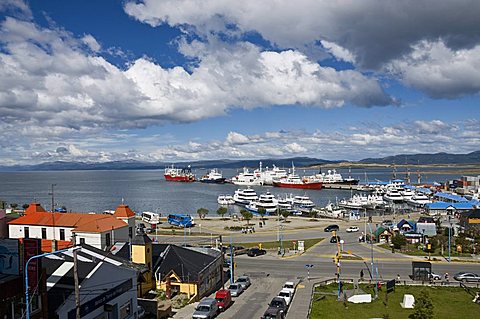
[449, 237]
[26, 274]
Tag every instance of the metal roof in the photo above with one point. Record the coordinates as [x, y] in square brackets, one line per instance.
[444, 205]
[451, 197]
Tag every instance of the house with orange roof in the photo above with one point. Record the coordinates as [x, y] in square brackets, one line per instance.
[98, 230]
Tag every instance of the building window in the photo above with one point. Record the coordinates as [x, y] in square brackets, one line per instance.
[107, 239]
[44, 233]
[26, 231]
[62, 234]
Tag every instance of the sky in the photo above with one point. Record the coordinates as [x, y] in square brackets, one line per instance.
[180, 80]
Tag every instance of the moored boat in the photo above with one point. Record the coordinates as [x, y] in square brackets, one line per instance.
[244, 196]
[225, 200]
[213, 177]
[174, 174]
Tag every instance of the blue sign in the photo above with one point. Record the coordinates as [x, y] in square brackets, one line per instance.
[308, 266]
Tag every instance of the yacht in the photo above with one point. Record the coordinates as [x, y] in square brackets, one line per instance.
[246, 178]
[419, 200]
[214, 176]
[303, 202]
[393, 195]
[225, 200]
[357, 201]
[267, 201]
[243, 196]
[407, 194]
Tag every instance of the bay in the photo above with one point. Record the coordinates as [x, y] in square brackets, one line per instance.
[147, 190]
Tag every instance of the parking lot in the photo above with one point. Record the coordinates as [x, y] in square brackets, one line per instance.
[252, 303]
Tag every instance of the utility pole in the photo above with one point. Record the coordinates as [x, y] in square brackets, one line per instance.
[77, 285]
[53, 197]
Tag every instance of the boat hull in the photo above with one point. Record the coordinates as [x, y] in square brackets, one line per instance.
[213, 181]
[313, 185]
[179, 178]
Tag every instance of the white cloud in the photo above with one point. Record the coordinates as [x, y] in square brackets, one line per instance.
[91, 42]
[440, 71]
[294, 148]
[237, 138]
[369, 33]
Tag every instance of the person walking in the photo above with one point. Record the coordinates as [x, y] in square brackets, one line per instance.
[361, 274]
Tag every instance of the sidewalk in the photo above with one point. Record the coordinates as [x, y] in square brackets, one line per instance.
[301, 301]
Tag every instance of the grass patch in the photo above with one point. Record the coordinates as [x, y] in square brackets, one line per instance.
[449, 302]
[286, 244]
[413, 250]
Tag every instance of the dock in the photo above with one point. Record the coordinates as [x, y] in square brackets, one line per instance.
[340, 186]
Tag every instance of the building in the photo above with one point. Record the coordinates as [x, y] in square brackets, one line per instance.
[444, 208]
[107, 284]
[473, 217]
[184, 270]
[58, 229]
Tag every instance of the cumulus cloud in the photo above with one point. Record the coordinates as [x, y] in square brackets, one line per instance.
[370, 33]
[440, 71]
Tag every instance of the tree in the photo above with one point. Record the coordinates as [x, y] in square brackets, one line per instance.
[285, 214]
[398, 241]
[262, 211]
[246, 215]
[14, 205]
[25, 206]
[202, 212]
[423, 307]
[222, 211]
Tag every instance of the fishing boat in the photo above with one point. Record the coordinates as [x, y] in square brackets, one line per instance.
[174, 174]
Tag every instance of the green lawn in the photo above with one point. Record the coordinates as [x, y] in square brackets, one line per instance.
[286, 244]
[448, 303]
[413, 250]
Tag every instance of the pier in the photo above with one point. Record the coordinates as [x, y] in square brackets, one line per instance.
[340, 186]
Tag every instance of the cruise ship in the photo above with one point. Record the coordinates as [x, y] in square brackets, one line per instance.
[268, 176]
[246, 178]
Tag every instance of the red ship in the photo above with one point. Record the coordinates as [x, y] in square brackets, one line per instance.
[294, 181]
[173, 174]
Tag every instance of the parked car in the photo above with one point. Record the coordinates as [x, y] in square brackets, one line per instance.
[244, 281]
[466, 276]
[206, 309]
[335, 239]
[331, 228]
[426, 275]
[287, 295]
[224, 299]
[235, 289]
[352, 229]
[273, 313]
[253, 252]
[278, 302]
[290, 286]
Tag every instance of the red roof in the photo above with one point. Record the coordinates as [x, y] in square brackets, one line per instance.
[123, 211]
[33, 208]
[81, 222]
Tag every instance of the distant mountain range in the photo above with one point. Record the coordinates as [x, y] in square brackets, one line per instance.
[410, 159]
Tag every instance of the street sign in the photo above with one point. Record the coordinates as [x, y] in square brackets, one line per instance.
[390, 286]
[301, 245]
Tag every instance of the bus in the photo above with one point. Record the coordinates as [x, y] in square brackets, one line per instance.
[181, 220]
[151, 218]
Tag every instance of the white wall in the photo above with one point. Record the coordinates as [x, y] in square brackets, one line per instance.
[99, 240]
[17, 231]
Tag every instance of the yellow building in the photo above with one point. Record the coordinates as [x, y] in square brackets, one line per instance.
[187, 270]
[142, 253]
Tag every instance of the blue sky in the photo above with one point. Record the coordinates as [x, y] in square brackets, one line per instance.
[187, 80]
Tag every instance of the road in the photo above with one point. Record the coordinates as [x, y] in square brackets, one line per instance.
[269, 272]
